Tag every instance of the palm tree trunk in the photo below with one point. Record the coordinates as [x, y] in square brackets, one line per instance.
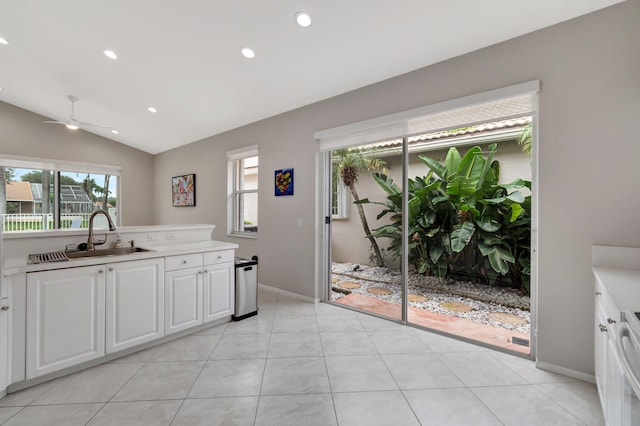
[365, 226]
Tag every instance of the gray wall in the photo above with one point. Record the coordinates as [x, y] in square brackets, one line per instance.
[588, 155]
[23, 133]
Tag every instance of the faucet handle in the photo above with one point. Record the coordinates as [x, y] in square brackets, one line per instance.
[133, 243]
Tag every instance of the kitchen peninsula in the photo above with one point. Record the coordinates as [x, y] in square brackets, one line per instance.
[69, 315]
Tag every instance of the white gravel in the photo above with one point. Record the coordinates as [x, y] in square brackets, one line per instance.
[484, 299]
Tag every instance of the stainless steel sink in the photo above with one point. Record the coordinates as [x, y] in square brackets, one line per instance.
[105, 252]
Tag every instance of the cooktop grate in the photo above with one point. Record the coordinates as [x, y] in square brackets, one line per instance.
[52, 256]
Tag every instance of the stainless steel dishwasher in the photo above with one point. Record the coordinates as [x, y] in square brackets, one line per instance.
[246, 288]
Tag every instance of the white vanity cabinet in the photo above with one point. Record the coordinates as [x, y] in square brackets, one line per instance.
[65, 318]
[218, 285]
[134, 303]
[183, 292]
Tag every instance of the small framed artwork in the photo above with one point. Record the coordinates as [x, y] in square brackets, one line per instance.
[183, 190]
[283, 180]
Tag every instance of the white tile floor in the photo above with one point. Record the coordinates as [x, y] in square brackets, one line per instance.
[300, 364]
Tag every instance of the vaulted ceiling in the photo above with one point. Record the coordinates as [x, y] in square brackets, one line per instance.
[183, 57]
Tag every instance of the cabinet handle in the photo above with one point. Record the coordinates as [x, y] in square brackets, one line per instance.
[603, 328]
[101, 271]
[598, 293]
[5, 308]
[219, 257]
[611, 321]
[184, 262]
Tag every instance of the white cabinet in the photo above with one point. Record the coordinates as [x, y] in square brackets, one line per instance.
[74, 315]
[183, 292]
[218, 290]
[198, 288]
[65, 318]
[134, 303]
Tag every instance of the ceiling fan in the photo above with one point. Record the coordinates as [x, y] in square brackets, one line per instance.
[72, 122]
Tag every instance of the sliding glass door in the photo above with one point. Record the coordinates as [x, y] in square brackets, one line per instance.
[432, 216]
[366, 249]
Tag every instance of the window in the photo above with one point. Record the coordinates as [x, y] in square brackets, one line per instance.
[243, 191]
[38, 195]
[339, 198]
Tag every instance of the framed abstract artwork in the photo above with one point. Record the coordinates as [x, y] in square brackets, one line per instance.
[283, 182]
[183, 190]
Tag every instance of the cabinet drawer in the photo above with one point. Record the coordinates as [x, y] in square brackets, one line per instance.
[222, 256]
[172, 263]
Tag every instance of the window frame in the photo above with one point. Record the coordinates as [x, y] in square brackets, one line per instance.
[56, 167]
[342, 198]
[234, 175]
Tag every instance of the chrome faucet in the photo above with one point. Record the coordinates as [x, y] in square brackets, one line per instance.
[90, 244]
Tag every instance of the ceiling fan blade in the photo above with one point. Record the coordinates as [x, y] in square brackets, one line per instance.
[82, 123]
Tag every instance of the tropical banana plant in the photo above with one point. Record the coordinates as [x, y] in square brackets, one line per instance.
[461, 221]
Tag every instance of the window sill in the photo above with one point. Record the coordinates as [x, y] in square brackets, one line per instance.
[251, 235]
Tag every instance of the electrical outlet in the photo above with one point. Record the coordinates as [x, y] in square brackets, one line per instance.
[171, 236]
[152, 237]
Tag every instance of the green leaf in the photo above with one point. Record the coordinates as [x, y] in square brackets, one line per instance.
[414, 209]
[488, 162]
[451, 162]
[516, 184]
[516, 209]
[435, 166]
[387, 184]
[423, 267]
[461, 235]
[516, 197]
[499, 258]
[440, 269]
[497, 200]
[465, 182]
[488, 225]
[435, 253]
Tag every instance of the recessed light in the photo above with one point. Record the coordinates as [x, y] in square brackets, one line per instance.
[3, 41]
[303, 19]
[110, 54]
[152, 109]
[248, 53]
[115, 132]
[72, 126]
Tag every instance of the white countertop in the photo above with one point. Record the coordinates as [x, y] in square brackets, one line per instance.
[20, 265]
[623, 285]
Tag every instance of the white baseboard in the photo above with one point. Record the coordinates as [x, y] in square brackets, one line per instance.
[590, 378]
[288, 293]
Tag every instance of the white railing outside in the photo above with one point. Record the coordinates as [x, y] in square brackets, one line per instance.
[39, 222]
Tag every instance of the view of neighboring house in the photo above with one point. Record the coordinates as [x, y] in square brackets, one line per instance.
[26, 198]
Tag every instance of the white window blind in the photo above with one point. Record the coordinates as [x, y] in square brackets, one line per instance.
[500, 104]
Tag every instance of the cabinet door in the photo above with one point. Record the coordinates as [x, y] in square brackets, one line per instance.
[183, 299]
[65, 318]
[601, 347]
[135, 303]
[218, 291]
[614, 390]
